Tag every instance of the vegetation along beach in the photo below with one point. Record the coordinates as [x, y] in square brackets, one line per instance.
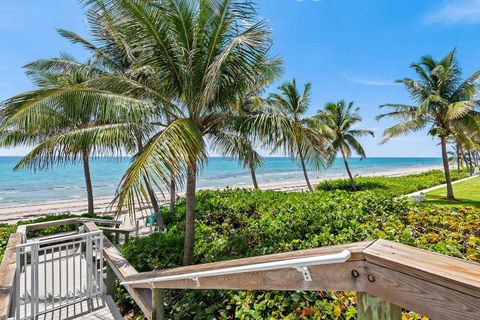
[221, 159]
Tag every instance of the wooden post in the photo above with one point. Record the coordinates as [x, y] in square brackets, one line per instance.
[137, 227]
[127, 237]
[110, 282]
[158, 300]
[373, 308]
[117, 235]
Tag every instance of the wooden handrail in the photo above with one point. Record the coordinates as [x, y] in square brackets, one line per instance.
[432, 284]
[384, 273]
[7, 274]
[115, 230]
[48, 224]
[69, 221]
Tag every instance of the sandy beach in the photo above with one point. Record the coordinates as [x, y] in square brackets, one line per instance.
[13, 213]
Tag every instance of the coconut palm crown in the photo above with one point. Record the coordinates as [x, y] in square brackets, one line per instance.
[66, 122]
[196, 56]
[340, 120]
[285, 128]
[443, 102]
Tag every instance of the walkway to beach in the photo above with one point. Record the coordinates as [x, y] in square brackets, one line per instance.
[62, 278]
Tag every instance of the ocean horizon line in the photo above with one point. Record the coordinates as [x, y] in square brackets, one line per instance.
[66, 181]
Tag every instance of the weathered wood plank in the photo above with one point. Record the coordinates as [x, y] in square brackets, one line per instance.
[123, 269]
[7, 274]
[446, 271]
[115, 230]
[426, 298]
[356, 250]
[324, 277]
[48, 224]
[158, 302]
[110, 283]
[22, 229]
[100, 221]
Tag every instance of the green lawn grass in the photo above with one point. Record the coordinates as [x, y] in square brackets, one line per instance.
[467, 193]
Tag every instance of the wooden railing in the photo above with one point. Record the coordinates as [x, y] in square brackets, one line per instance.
[8, 266]
[388, 277]
[7, 275]
[119, 267]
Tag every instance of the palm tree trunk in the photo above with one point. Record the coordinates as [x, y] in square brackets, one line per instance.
[464, 158]
[470, 158]
[254, 176]
[458, 156]
[354, 187]
[88, 181]
[173, 195]
[302, 162]
[446, 169]
[156, 208]
[190, 215]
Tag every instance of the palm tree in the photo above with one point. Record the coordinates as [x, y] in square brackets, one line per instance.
[455, 157]
[66, 122]
[197, 56]
[240, 143]
[114, 57]
[284, 126]
[340, 119]
[443, 102]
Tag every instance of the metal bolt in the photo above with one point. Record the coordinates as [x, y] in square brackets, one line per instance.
[371, 278]
[355, 274]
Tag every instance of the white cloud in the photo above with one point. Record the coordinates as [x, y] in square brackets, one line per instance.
[368, 81]
[459, 11]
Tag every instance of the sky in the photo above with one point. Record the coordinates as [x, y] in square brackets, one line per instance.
[348, 49]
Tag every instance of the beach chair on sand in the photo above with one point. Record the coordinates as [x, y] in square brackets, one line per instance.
[150, 220]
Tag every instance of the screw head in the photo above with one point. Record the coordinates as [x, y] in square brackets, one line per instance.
[371, 278]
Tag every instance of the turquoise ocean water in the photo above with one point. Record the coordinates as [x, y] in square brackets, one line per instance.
[66, 182]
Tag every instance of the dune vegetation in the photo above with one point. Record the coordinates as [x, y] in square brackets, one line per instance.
[243, 223]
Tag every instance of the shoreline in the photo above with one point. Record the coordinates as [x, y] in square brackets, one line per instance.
[12, 213]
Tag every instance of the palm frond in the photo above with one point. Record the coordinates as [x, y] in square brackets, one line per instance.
[164, 158]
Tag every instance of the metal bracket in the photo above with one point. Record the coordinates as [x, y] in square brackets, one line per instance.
[197, 281]
[305, 273]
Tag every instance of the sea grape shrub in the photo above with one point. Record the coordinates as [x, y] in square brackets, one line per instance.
[446, 230]
[294, 305]
[239, 223]
[5, 231]
[155, 252]
[393, 186]
[242, 223]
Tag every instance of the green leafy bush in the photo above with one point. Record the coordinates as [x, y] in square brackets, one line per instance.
[394, 186]
[5, 231]
[241, 223]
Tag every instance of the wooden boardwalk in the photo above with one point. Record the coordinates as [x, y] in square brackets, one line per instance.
[101, 308]
[62, 289]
